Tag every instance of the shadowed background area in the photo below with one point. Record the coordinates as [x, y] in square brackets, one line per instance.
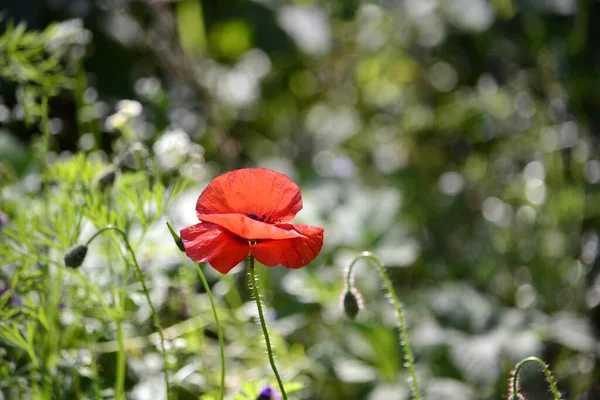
[457, 140]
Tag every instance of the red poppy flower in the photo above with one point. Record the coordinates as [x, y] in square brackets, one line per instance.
[246, 212]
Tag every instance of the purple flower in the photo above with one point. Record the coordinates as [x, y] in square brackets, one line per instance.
[268, 393]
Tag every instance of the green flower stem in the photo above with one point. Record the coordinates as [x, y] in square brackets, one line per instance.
[401, 323]
[140, 276]
[181, 247]
[120, 338]
[545, 369]
[121, 356]
[45, 149]
[121, 366]
[45, 131]
[263, 325]
[218, 324]
[31, 353]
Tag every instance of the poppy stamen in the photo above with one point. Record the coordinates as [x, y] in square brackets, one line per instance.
[262, 218]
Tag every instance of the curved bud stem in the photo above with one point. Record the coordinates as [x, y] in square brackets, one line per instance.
[551, 381]
[254, 285]
[140, 276]
[349, 282]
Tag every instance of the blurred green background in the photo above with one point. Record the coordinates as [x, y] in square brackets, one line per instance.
[456, 139]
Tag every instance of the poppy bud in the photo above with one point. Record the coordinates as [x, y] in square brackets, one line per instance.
[268, 394]
[176, 238]
[74, 257]
[352, 302]
[107, 178]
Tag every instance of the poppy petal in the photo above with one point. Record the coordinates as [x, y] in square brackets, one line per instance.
[207, 242]
[247, 228]
[267, 194]
[291, 253]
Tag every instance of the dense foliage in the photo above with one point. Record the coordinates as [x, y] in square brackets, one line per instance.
[456, 140]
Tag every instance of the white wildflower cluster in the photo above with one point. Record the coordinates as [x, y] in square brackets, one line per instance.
[174, 149]
[238, 85]
[126, 111]
[68, 36]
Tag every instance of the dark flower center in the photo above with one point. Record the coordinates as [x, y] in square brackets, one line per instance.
[257, 218]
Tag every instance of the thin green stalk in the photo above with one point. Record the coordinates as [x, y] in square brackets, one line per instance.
[408, 355]
[34, 360]
[263, 325]
[45, 131]
[181, 247]
[35, 389]
[121, 356]
[120, 383]
[140, 276]
[218, 324]
[545, 369]
[80, 85]
[53, 334]
[117, 315]
[45, 128]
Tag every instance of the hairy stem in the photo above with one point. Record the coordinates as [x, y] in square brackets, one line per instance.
[254, 285]
[545, 369]
[408, 355]
[120, 382]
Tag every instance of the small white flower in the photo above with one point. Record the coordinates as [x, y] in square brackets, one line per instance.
[172, 149]
[129, 108]
[115, 121]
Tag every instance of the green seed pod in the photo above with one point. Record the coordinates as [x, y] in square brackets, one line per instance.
[352, 302]
[74, 257]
